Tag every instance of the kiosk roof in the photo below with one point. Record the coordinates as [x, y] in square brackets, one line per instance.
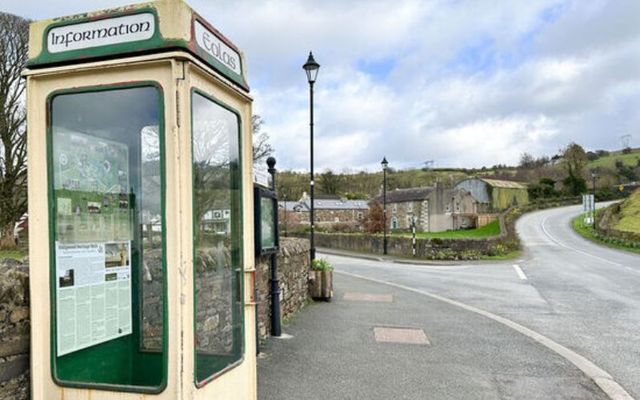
[160, 26]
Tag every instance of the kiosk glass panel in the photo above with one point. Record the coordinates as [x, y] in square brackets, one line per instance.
[107, 237]
[217, 237]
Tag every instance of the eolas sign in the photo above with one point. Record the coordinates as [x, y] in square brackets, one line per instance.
[216, 48]
[130, 28]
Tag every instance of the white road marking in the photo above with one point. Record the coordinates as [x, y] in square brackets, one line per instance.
[559, 243]
[600, 377]
[520, 272]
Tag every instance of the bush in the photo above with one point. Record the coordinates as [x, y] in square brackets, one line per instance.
[320, 264]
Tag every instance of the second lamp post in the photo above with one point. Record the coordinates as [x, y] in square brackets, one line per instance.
[385, 164]
[311, 67]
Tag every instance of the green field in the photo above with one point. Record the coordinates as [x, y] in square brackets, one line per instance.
[630, 159]
[491, 229]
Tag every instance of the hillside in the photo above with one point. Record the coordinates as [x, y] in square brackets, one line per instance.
[630, 159]
[365, 185]
[629, 214]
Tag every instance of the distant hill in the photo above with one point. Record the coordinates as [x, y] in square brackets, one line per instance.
[630, 159]
[366, 185]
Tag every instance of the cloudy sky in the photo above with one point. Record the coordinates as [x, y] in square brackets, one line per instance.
[460, 82]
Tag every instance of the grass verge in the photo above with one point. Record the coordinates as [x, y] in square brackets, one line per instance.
[587, 232]
[491, 229]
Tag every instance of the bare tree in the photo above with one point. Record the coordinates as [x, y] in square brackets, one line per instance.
[14, 40]
[261, 146]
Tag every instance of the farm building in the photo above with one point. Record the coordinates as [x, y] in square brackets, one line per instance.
[435, 209]
[495, 194]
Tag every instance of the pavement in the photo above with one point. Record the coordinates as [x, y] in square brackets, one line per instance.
[518, 329]
[333, 354]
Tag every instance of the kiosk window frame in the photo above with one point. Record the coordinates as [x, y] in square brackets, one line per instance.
[238, 184]
[52, 210]
[259, 195]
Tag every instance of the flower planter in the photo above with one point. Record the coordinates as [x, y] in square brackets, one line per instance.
[321, 284]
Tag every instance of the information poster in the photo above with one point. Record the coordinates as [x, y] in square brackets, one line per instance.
[268, 239]
[93, 197]
[93, 287]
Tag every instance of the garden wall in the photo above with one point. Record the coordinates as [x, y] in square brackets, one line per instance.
[14, 330]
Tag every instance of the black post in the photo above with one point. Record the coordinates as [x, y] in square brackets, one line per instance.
[311, 68]
[311, 185]
[593, 177]
[413, 231]
[276, 328]
[384, 210]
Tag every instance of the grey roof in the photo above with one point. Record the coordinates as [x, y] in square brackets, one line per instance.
[339, 204]
[404, 195]
[293, 206]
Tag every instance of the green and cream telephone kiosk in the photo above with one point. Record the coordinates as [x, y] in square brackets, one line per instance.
[140, 203]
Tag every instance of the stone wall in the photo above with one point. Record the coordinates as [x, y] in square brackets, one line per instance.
[293, 276]
[14, 330]
[430, 249]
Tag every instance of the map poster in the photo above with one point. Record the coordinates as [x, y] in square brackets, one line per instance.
[86, 163]
[93, 288]
[91, 183]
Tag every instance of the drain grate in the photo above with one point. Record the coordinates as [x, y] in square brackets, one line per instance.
[400, 335]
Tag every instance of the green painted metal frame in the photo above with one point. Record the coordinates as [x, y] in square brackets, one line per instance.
[200, 384]
[52, 210]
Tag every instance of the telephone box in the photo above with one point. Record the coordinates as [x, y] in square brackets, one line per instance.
[140, 202]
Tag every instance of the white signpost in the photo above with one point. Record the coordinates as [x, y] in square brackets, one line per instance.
[588, 206]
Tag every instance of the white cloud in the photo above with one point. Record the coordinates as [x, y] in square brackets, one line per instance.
[466, 83]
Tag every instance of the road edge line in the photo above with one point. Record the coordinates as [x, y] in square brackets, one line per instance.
[600, 377]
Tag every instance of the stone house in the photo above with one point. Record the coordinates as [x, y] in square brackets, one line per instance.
[435, 209]
[329, 211]
[495, 194]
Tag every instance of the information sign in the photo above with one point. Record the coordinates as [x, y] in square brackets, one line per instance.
[93, 289]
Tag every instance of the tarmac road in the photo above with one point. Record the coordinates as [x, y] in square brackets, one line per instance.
[583, 298]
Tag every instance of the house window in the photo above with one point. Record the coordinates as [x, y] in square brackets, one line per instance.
[409, 207]
[394, 223]
[360, 215]
[395, 207]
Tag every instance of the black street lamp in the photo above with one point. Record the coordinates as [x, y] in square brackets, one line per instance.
[385, 164]
[593, 180]
[311, 68]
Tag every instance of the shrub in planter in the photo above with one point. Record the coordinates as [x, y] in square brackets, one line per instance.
[321, 280]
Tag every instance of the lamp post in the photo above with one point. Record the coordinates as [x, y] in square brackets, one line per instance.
[385, 164]
[276, 327]
[593, 181]
[311, 68]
